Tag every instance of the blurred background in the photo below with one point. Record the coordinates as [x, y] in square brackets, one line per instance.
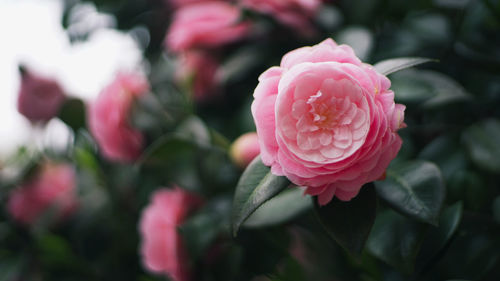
[106, 105]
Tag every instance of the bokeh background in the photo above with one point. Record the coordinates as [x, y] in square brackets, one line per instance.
[197, 104]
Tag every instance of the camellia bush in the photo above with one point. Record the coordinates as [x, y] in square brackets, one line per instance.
[277, 140]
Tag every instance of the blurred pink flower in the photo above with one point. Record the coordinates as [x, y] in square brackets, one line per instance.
[199, 69]
[53, 186]
[181, 3]
[206, 24]
[244, 149]
[326, 120]
[108, 118]
[296, 14]
[162, 248]
[39, 98]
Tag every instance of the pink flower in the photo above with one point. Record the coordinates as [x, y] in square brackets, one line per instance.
[296, 14]
[206, 24]
[245, 149]
[199, 68]
[39, 98]
[326, 120]
[108, 118]
[162, 247]
[53, 186]
[180, 3]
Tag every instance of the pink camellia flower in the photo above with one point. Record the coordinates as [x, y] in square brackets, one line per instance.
[205, 24]
[39, 98]
[200, 69]
[108, 118]
[53, 186]
[244, 149]
[296, 14]
[326, 120]
[162, 248]
[180, 3]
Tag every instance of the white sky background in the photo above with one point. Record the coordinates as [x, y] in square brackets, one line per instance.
[31, 33]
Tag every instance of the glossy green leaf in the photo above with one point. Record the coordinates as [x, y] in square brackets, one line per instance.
[255, 187]
[396, 240]
[281, 208]
[349, 223]
[445, 88]
[482, 142]
[446, 152]
[415, 189]
[437, 238]
[430, 88]
[389, 66]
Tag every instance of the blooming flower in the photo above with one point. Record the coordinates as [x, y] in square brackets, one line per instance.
[52, 186]
[180, 3]
[205, 24]
[162, 247]
[293, 13]
[108, 118]
[326, 120]
[245, 149]
[39, 98]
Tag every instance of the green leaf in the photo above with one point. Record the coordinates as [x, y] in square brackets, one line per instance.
[349, 223]
[193, 128]
[389, 66]
[255, 187]
[201, 230]
[281, 208]
[437, 238]
[239, 64]
[164, 147]
[73, 114]
[415, 189]
[396, 240]
[481, 141]
[446, 152]
[55, 250]
[433, 89]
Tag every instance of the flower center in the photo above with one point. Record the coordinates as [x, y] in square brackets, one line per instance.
[324, 110]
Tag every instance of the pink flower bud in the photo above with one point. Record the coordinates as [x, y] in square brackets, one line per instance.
[53, 186]
[245, 149]
[162, 248]
[39, 98]
[108, 118]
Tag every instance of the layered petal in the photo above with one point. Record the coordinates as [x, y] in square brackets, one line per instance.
[327, 121]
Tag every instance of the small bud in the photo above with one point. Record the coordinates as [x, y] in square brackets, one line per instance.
[245, 149]
[39, 98]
